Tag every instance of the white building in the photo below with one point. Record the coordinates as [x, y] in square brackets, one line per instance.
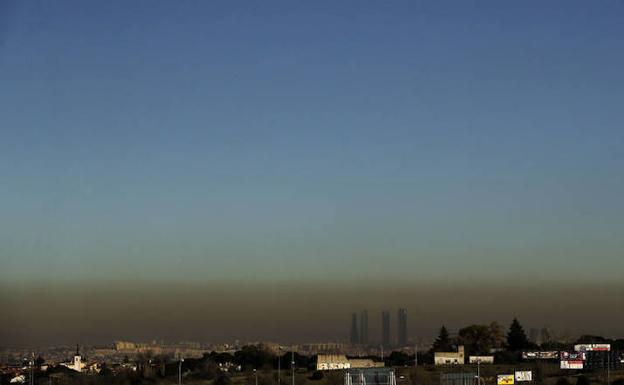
[76, 364]
[332, 362]
[450, 358]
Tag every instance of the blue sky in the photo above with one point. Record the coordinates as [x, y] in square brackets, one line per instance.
[314, 141]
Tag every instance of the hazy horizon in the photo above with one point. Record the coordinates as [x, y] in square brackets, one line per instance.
[99, 313]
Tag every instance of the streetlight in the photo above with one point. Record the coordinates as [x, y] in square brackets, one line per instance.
[180, 371]
[256, 375]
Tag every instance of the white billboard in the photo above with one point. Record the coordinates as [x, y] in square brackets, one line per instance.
[549, 355]
[481, 359]
[524, 376]
[592, 347]
[601, 347]
[572, 364]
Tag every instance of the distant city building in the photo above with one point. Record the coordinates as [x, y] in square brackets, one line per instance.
[321, 347]
[402, 327]
[340, 361]
[364, 327]
[385, 328]
[534, 336]
[545, 336]
[450, 358]
[355, 335]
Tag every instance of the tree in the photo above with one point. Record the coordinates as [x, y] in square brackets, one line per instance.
[39, 361]
[498, 335]
[516, 337]
[563, 381]
[443, 342]
[222, 379]
[316, 375]
[477, 339]
[582, 380]
[619, 381]
[398, 359]
[253, 356]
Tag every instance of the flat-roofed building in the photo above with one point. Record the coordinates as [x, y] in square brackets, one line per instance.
[332, 362]
[450, 358]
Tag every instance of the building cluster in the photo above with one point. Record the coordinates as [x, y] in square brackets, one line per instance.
[359, 329]
[459, 358]
[340, 361]
[180, 349]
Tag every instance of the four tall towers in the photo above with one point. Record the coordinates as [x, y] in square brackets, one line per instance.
[359, 331]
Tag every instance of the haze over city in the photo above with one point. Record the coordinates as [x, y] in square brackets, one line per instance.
[215, 171]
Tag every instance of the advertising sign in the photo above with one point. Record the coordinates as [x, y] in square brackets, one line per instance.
[592, 347]
[524, 376]
[481, 359]
[572, 364]
[550, 355]
[601, 347]
[572, 360]
[573, 356]
[505, 379]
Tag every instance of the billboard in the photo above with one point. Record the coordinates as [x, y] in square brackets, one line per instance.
[481, 359]
[573, 360]
[550, 355]
[592, 347]
[505, 379]
[601, 347]
[572, 364]
[573, 356]
[524, 376]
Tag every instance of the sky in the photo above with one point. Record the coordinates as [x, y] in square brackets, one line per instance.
[323, 144]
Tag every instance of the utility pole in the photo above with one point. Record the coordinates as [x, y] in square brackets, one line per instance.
[609, 366]
[180, 371]
[415, 356]
[292, 364]
[32, 363]
[382, 358]
[279, 364]
[256, 375]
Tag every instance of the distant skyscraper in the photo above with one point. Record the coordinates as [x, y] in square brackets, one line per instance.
[402, 337]
[385, 328]
[364, 327]
[355, 336]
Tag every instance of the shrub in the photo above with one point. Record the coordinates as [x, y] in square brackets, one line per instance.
[563, 381]
[317, 375]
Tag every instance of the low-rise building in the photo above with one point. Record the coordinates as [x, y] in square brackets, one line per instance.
[76, 364]
[363, 363]
[450, 358]
[340, 361]
[332, 362]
